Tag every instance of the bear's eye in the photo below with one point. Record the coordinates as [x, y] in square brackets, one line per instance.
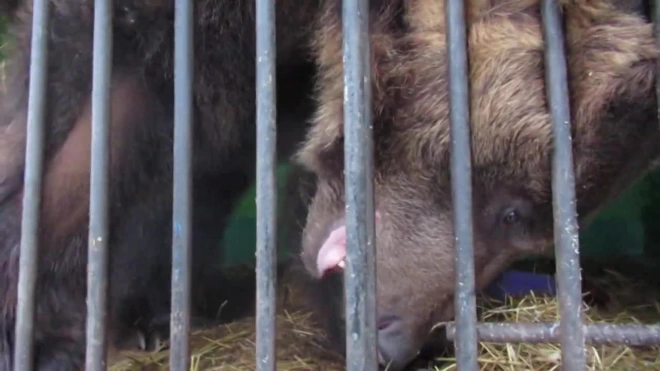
[511, 217]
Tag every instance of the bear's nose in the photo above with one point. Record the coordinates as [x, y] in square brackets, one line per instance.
[395, 347]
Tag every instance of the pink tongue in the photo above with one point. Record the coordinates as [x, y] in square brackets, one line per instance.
[332, 252]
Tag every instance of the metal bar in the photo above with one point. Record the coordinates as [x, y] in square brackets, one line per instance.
[360, 272]
[567, 244]
[182, 191]
[34, 152]
[461, 182]
[595, 334]
[97, 269]
[266, 186]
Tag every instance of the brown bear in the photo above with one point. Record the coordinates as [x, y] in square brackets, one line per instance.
[141, 139]
[611, 60]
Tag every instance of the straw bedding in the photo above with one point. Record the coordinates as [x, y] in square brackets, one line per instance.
[299, 343]
[630, 302]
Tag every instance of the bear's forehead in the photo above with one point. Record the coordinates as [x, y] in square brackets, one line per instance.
[509, 123]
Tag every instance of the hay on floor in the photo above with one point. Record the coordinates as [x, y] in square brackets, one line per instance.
[231, 347]
[630, 303]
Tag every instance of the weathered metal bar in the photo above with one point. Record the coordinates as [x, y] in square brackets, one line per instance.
[266, 186]
[461, 184]
[182, 191]
[595, 334]
[97, 268]
[360, 272]
[563, 192]
[33, 179]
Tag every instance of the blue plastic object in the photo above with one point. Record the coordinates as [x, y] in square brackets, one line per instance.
[517, 283]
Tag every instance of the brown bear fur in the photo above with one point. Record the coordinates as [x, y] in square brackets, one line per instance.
[611, 62]
[141, 141]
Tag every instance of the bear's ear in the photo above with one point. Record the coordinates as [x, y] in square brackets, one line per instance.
[323, 149]
[612, 70]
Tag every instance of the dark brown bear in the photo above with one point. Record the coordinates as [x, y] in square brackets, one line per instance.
[140, 156]
[612, 63]
[8, 7]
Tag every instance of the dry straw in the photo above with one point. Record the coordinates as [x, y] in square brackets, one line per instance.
[625, 307]
[231, 347]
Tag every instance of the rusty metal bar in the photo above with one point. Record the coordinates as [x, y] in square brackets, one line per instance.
[33, 179]
[182, 187]
[595, 334]
[360, 272]
[266, 359]
[461, 185]
[563, 192]
[97, 269]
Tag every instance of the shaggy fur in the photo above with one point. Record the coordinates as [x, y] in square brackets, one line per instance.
[140, 156]
[611, 61]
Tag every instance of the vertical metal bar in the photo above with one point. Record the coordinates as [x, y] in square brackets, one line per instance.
[29, 246]
[182, 192]
[461, 182]
[360, 273]
[266, 190]
[563, 192]
[97, 269]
